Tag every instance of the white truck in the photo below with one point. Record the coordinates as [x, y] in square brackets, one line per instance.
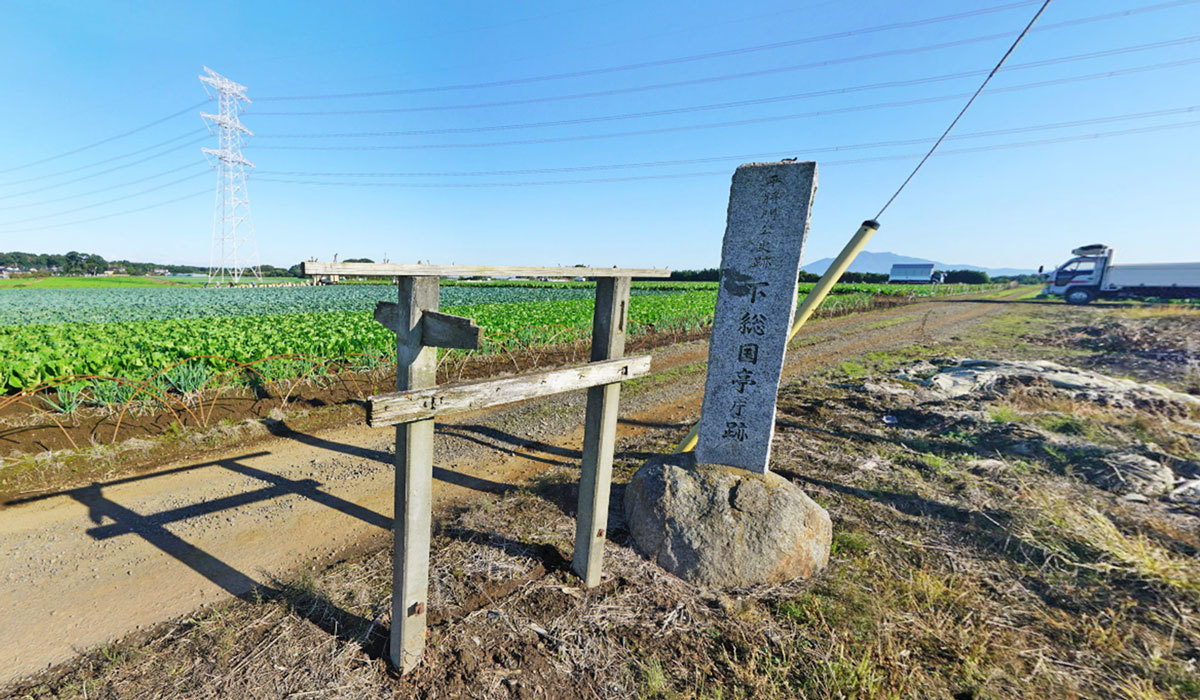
[1092, 275]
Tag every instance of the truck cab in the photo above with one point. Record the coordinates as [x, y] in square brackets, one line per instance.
[1078, 280]
[1092, 275]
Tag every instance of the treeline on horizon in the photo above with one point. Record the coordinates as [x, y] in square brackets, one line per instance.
[76, 263]
[712, 274]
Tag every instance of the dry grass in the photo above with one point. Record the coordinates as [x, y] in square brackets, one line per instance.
[1161, 311]
[1079, 534]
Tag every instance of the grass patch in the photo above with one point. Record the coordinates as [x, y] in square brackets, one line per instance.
[1005, 414]
[849, 541]
[889, 322]
[654, 679]
[1064, 424]
[110, 282]
[1081, 536]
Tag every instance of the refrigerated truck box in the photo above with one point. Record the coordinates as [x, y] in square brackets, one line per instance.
[1157, 275]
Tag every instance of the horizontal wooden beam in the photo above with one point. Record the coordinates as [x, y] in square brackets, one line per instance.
[441, 330]
[346, 269]
[422, 404]
[438, 330]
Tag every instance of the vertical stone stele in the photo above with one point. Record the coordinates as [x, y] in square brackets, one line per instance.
[717, 517]
[769, 209]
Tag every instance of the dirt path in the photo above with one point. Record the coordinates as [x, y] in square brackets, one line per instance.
[84, 566]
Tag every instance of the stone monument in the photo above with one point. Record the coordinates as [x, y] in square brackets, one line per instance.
[718, 517]
[769, 207]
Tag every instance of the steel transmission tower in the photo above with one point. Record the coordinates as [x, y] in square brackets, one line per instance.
[233, 251]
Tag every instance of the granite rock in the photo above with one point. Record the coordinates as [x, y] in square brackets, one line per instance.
[722, 527]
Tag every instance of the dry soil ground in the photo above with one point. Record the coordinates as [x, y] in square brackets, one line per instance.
[959, 570]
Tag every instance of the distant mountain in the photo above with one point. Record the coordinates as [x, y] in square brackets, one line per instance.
[882, 262]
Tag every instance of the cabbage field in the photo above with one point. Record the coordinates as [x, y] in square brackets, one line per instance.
[136, 333]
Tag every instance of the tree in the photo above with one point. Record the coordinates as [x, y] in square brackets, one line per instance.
[864, 277]
[966, 277]
[709, 274]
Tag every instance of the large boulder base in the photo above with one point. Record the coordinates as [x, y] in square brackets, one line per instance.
[722, 527]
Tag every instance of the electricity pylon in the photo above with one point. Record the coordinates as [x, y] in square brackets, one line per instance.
[233, 249]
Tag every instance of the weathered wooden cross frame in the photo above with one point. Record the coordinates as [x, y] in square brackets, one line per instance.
[419, 329]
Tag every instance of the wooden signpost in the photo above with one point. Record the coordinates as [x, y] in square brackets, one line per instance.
[420, 329]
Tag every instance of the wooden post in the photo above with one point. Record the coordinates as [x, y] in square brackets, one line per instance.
[600, 431]
[416, 368]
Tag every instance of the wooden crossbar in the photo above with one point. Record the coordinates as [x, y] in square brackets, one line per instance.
[422, 404]
[347, 269]
[420, 329]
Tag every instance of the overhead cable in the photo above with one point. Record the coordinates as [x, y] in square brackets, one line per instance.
[107, 201]
[190, 166]
[750, 74]
[27, 180]
[749, 102]
[109, 216]
[806, 150]
[731, 52]
[104, 172]
[672, 176]
[964, 109]
[156, 122]
[738, 122]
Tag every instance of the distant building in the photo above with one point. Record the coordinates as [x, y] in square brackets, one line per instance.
[919, 273]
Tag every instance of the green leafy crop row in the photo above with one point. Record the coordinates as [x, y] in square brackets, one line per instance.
[135, 347]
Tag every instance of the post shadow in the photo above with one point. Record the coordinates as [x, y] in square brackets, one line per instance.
[519, 445]
[111, 519]
[279, 486]
[280, 429]
[658, 425]
[342, 624]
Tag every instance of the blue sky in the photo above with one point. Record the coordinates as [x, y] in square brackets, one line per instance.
[80, 72]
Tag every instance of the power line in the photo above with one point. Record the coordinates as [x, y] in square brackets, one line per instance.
[640, 88]
[27, 180]
[107, 201]
[738, 122]
[748, 74]
[958, 151]
[671, 176]
[733, 52]
[109, 216]
[164, 173]
[965, 107]
[103, 172]
[122, 135]
[807, 150]
[749, 102]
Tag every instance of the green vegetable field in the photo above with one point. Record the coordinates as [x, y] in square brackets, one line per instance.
[138, 332]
